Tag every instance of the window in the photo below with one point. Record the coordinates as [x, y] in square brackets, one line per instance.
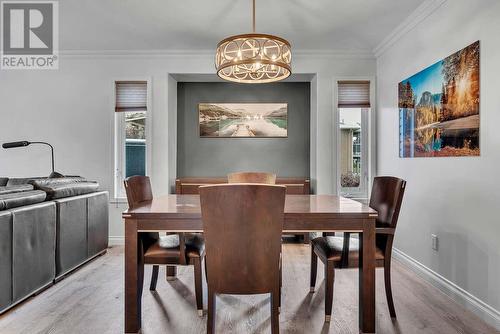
[131, 131]
[352, 159]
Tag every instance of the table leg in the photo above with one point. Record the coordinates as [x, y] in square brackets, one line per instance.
[367, 278]
[133, 278]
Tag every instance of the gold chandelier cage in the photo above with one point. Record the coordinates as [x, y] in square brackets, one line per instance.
[253, 58]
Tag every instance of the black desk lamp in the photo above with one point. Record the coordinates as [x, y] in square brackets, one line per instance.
[26, 143]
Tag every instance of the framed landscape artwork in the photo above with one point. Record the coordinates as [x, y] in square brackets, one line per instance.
[439, 108]
[249, 120]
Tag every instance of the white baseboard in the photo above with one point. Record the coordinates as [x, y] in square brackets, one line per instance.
[459, 295]
[116, 240]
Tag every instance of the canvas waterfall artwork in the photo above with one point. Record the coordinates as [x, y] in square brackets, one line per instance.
[439, 108]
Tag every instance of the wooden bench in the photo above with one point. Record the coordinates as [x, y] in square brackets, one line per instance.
[294, 186]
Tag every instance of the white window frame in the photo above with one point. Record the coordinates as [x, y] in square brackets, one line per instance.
[368, 137]
[118, 139]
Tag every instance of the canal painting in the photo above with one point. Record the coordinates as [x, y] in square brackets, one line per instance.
[439, 108]
[243, 120]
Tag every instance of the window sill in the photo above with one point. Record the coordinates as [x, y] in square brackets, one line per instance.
[118, 200]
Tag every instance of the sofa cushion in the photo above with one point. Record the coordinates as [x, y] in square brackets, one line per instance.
[29, 180]
[21, 180]
[65, 187]
[71, 237]
[3, 181]
[33, 248]
[5, 259]
[97, 225]
[48, 181]
[14, 200]
[15, 189]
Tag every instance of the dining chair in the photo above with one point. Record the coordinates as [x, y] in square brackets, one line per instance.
[343, 252]
[251, 177]
[242, 224]
[170, 250]
[261, 178]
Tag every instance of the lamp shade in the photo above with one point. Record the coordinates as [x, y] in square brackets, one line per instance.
[253, 58]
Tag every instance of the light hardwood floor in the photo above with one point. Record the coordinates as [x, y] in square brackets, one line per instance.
[91, 301]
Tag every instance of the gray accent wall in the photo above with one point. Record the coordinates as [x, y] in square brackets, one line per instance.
[218, 156]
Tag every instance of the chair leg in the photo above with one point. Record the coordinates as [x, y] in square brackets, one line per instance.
[140, 268]
[198, 289]
[314, 269]
[211, 312]
[307, 239]
[154, 278]
[330, 278]
[206, 274]
[275, 318]
[281, 284]
[171, 273]
[388, 287]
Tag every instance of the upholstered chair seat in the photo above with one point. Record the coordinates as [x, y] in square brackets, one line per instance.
[168, 246]
[330, 248]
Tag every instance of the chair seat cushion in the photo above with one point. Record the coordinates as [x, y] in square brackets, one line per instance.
[195, 245]
[167, 247]
[17, 199]
[14, 189]
[331, 248]
[156, 254]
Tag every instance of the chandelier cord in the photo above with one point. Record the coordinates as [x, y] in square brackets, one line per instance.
[253, 23]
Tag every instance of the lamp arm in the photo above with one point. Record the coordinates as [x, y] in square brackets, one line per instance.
[51, 150]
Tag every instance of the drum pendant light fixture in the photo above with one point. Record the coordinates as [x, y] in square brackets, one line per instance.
[253, 58]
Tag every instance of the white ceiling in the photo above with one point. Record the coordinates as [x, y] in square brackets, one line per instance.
[357, 25]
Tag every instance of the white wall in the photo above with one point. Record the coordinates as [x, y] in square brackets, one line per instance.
[72, 108]
[455, 198]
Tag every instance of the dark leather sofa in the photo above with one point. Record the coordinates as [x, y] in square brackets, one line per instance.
[48, 227]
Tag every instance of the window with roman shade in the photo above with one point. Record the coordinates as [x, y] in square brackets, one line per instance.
[132, 149]
[131, 96]
[354, 94]
[353, 137]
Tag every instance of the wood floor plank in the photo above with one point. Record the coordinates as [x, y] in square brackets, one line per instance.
[91, 301]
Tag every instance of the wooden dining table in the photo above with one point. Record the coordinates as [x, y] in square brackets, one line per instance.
[303, 213]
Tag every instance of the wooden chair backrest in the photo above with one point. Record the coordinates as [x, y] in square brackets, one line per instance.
[138, 189]
[386, 198]
[242, 225]
[190, 185]
[251, 177]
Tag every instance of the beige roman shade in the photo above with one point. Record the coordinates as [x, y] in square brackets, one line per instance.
[354, 94]
[131, 96]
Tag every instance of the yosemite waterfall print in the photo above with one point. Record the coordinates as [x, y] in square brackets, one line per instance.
[439, 108]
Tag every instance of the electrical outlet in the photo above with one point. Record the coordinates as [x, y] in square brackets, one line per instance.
[435, 242]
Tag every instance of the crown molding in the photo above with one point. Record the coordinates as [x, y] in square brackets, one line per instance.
[134, 53]
[345, 54]
[360, 53]
[421, 13]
